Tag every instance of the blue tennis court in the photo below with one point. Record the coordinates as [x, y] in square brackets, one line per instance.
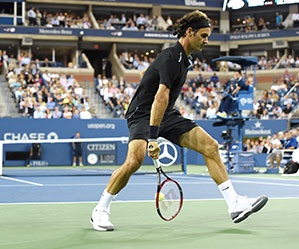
[87, 188]
[50, 212]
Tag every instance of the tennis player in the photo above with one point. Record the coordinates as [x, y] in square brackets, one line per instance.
[152, 114]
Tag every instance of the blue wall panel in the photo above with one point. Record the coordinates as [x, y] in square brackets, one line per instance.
[61, 154]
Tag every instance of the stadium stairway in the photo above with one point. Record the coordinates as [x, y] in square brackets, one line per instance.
[7, 105]
[97, 102]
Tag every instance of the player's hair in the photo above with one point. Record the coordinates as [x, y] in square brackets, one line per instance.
[195, 19]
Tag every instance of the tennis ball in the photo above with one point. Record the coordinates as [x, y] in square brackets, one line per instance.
[161, 196]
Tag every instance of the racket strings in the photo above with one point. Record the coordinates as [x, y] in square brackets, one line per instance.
[169, 200]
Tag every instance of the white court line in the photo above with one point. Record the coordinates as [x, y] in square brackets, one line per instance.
[127, 201]
[143, 184]
[19, 180]
[268, 183]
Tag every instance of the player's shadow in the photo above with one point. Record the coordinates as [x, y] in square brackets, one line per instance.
[235, 231]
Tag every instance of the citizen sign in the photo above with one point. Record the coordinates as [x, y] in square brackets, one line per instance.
[101, 147]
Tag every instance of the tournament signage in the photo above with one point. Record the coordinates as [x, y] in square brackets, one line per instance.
[123, 34]
[199, 3]
[101, 153]
[264, 128]
[263, 35]
[97, 153]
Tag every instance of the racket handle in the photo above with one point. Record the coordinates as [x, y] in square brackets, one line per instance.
[156, 163]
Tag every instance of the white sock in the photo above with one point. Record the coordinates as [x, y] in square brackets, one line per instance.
[105, 201]
[227, 190]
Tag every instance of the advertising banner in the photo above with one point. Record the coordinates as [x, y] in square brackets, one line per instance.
[104, 152]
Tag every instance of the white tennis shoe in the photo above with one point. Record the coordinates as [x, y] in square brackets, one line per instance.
[246, 206]
[100, 220]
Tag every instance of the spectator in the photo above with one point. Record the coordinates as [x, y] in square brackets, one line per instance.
[77, 150]
[34, 153]
[56, 112]
[278, 20]
[48, 114]
[261, 24]
[46, 63]
[286, 76]
[169, 24]
[76, 113]
[50, 104]
[32, 16]
[39, 113]
[188, 114]
[287, 110]
[129, 90]
[264, 114]
[276, 111]
[141, 21]
[66, 112]
[268, 146]
[290, 143]
[214, 79]
[123, 18]
[84, 114]
[211, 111]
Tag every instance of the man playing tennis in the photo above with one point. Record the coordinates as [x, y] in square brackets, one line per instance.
[151, 114]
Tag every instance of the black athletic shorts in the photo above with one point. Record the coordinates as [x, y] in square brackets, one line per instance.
[78, 152]
[172, 126]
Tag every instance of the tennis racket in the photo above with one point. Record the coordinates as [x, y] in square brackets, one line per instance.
[169, 196]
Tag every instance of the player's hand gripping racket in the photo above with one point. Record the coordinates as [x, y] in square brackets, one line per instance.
[169, 196]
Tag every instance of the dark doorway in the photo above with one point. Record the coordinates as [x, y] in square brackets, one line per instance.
[96, 58]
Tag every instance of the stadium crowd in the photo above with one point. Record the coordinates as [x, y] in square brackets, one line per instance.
[144, 22]
[63, 19]
[140, 61]
[204, 95]
[45, 95]
[33, 89]
[41, 94]
[282, 140]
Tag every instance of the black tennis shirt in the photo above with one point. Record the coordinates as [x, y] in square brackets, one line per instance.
[169, 68]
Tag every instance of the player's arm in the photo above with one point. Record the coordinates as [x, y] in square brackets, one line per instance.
[159, 105]
[157, 113]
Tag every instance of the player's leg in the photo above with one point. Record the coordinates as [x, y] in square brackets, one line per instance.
[74, 160]
[271, 159]
[75, 152]
[239, 207]
[200, 141]
[100, 216]
[80, 157]
[134, 159]
[278, 159]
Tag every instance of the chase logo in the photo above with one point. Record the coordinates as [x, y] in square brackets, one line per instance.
[29, 136]
[52, 135]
